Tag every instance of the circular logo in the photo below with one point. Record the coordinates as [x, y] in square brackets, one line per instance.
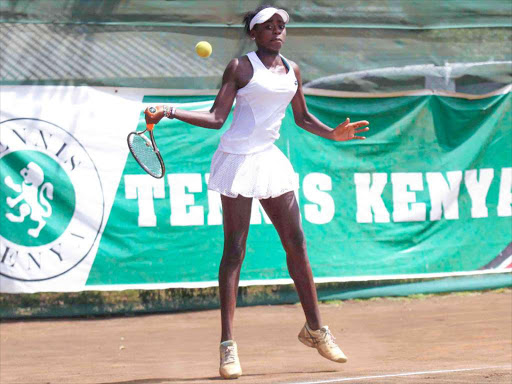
[30, 199]
[51, 200]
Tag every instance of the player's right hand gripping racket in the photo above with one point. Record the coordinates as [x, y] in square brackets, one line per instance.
[146, 152]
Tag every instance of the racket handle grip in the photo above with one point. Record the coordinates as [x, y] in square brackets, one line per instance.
[150, 127]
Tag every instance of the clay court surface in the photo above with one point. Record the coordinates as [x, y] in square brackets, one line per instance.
[457, 338]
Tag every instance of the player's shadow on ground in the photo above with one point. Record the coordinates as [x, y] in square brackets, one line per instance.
[198, 380]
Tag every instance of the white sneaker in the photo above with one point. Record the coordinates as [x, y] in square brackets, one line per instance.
[229, 363]
[323, 340]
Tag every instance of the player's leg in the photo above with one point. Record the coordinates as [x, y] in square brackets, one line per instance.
[285, 215]
[236, 214]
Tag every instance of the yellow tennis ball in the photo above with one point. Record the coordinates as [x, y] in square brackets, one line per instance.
[203, 49]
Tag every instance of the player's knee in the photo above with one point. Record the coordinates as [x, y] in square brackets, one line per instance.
[234, 253]
[295, 244]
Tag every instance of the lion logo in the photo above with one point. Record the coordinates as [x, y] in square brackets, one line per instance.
[32, 193]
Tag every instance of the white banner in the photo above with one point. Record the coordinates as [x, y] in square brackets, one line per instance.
[52, 134]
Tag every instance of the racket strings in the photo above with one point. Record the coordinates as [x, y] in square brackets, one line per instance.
[145, 155]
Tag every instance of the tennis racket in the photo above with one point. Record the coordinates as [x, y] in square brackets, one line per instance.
[145, 151]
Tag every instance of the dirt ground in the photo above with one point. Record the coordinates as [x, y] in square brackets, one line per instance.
[457, 338]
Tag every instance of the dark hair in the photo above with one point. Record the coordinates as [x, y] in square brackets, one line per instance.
[250, 15]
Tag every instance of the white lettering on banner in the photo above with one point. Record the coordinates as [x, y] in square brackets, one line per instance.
[443, 196]
[443, 188]
[370, 198]
[180, 199]
[315, 185]
[402, 197]
[505, 197]
[184, 211]
[144, 188]
[214, 206]
[478, 189]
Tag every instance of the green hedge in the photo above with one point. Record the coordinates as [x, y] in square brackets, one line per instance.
[130, 302]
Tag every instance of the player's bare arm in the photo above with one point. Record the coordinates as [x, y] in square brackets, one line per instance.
[343, 132]
[217, 115]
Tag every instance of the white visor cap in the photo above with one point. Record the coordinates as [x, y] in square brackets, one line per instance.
[266, 14]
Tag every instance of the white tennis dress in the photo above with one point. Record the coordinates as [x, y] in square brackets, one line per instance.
[247, 162]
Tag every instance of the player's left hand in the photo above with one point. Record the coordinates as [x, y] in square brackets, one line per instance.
[347, 130]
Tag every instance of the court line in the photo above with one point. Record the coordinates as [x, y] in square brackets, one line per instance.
[399, 374]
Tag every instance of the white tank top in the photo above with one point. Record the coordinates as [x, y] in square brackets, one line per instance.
[259, 110]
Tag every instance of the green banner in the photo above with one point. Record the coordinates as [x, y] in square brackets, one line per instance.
[428, 192]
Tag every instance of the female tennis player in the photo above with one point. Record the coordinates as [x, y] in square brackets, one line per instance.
[248, 165]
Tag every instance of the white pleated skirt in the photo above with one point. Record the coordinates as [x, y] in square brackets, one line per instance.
[259, 175]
